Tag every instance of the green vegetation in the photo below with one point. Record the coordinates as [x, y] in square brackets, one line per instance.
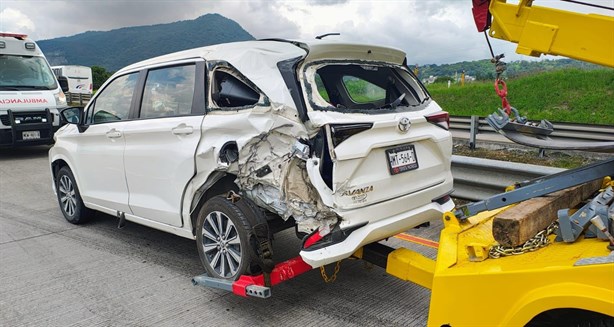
[485, 70]
[99, 76]
[569, 95]
[362, 91]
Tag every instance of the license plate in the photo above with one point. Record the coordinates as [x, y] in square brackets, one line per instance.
[402, 159]
[30, 135]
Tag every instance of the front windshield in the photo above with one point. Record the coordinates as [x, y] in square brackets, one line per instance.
[25, 73]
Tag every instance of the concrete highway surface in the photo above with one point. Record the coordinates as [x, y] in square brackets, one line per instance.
[53, 273]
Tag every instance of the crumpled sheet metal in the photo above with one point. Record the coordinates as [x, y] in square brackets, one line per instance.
[273, 178]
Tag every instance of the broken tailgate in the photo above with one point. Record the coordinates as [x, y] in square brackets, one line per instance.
[384, 162]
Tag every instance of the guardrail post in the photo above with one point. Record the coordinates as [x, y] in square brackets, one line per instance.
[81, 99]
[473, 131]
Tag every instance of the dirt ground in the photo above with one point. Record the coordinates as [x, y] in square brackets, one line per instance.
[513, 153]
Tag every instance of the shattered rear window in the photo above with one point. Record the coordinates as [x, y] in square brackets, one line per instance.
[370, 88]
[361, 91]
[321, 88]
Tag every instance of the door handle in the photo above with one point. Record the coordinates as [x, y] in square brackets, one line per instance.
[183, 129]
[113, 134]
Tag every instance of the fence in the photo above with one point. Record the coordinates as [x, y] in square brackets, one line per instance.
[77, 99]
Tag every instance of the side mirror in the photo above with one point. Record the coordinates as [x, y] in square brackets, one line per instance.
[72, 115]
[63, 83]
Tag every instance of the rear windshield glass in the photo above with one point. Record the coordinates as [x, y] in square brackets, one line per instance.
[364, 88]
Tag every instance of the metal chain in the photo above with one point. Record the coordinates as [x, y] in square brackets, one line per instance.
[333, 277]
[536, 242]
[500, 66]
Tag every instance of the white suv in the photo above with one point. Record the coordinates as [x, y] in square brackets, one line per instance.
[228, 144]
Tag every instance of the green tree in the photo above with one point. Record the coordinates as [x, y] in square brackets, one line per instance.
[99, 76]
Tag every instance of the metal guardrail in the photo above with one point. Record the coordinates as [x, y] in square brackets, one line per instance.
[477, 179]
[476, 128]
[77, 99]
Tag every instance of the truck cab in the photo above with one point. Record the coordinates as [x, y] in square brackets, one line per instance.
[30, 94]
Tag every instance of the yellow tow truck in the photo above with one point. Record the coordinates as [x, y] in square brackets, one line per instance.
[544, 282]
[565, 283]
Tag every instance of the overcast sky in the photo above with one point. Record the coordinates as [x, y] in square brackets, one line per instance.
[430, 31]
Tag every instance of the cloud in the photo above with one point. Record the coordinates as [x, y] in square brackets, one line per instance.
[261, 18]
[326, 2]
[433, 31]
[12, 20]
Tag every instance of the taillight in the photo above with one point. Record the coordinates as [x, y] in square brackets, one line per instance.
[341, 132]
[441, 119]
[442, 200]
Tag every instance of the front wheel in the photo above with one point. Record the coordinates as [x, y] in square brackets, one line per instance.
[223, 239]
[69, 198]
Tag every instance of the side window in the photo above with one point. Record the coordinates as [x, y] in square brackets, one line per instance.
[361, 91]
[229, 91]
[113, 103]
[168, 92]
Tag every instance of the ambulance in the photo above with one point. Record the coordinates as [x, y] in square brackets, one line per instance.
[30, 95]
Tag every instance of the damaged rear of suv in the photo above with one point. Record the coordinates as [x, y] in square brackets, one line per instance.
[231, 143]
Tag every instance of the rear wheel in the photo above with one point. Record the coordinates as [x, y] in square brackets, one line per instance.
[69, 198]
[223, 233]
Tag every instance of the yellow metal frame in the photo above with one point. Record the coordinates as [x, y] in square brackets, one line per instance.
[470, 290]
[541, 30]
[510, 291]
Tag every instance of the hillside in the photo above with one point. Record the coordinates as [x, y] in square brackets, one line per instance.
[484, 69]
[569, 95]
[120, 47]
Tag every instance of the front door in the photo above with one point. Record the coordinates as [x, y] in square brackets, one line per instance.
[99, 154]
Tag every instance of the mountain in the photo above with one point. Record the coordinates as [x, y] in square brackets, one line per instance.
[120, 47]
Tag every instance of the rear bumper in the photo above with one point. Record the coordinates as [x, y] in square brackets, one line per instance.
[375, 231]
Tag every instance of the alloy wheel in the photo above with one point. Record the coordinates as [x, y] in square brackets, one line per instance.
[68, 197]
[221, 244]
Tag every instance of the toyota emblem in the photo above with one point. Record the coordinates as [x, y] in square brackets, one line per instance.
[404, 125]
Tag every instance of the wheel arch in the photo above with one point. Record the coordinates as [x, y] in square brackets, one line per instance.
[57, 163]
[560, 296]
[571, 317]
[217, 183]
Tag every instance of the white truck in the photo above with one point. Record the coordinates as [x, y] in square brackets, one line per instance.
[79, 78]
[30, 95]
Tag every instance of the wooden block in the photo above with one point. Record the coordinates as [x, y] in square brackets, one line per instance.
[516, 225]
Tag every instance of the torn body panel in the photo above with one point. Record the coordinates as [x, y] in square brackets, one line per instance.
[267, 170]
[275, 179]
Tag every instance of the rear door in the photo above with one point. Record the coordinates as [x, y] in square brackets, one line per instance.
[375, 142]
[161, 143]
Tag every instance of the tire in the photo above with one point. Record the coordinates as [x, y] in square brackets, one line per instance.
[223, 239]
[571, 318]
[69, 198]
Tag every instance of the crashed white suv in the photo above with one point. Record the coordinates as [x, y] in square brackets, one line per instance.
[230, 143]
